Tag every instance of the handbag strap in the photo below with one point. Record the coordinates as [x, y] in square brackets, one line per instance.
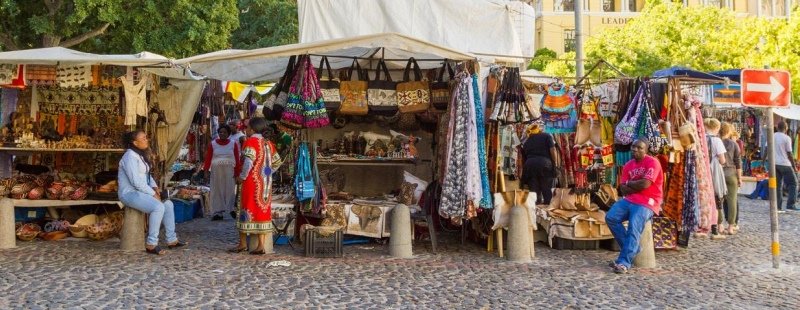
[417, 71]
[313, 90]
[289, 74]
[446, 66]
[299, 77]
[382, 67]
[324, 64]
[359, 71]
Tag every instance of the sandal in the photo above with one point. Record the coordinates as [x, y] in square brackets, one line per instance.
[237, 250]
[258, 252]
[157, 250]
[217, 217]
[177, 244]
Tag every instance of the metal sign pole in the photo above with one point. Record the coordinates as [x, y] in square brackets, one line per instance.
[773, 190]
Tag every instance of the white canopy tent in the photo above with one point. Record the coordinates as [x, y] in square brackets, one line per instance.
[188, 90]
[494, 28]
[268, 64]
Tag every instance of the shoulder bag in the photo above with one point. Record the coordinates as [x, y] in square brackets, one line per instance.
[303, 181]
[354, 93]
[314, 113]
[382, 93]
[440, 90]
[329, 87]
[413, 96]
[625, 131]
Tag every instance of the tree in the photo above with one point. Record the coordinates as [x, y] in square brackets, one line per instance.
[265, 23]
[174, 28]
[704, 38]
[541, 58]
[563, 66]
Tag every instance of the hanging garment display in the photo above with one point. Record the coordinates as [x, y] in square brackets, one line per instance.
[382, 93]
[486, 200]
[708, 209]
[690, 214]
[473, 190]
[169, 104]
[305, 107]
[17, 81]
[8, 72]
[279, 95]
[510, 106]
[607, 95]
[453, 186]
[509, 141]
[74, 76]
[135, 98]
[626, 129]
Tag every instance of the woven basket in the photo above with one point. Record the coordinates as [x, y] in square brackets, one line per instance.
[55, 235]
[100, 231]
[78, 229]
[116, 219]
[28, 232]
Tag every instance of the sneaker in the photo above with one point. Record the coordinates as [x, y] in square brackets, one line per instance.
[216, 217]
[781, 211]
[717, 237]
[620, 269]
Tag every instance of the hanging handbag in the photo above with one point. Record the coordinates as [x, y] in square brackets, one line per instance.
[625, 132]
[382, 93]
[440, 90]
[413, 96]
[292, 115]
[279, 94]
[303, 181]
[329, 87]
[354, 93]
[315, 115]
[648, 128]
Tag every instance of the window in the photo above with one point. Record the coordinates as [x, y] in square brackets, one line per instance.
[632, 5]
[567, 5]
[716, 3]
[569, 40]
[608, 6]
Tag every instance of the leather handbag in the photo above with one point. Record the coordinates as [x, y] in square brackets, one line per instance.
[354, 93]
[440, 89]
[413, 96]
[329, 86]
[382, 92]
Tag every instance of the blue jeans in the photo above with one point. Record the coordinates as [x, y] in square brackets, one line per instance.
[628, 240]
[786, 173]
[159, 213]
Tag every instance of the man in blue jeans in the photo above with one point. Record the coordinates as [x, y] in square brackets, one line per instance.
[641, 183]
[784, 167]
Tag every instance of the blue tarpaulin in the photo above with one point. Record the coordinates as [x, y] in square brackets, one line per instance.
[732, 74]
[685, 72]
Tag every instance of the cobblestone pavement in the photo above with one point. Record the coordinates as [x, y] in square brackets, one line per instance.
[730, 274]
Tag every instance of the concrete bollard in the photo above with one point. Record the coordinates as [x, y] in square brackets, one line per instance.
[400, 241]
[7, 233]
[647, 253]
[132, 234]
[519, 236]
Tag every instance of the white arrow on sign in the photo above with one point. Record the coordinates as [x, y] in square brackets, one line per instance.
[774, 87]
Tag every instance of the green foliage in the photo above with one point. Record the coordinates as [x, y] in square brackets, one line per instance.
[704, 38]
[563, 67]
[265, 23]
[541, 58]
[174, 28]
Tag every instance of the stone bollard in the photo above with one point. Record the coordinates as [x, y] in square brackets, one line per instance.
[400, 241]
[7, 233]
[519, 236]
[132, 234]
[647, 253]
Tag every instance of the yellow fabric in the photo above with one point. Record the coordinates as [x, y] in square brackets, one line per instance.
[239, 91]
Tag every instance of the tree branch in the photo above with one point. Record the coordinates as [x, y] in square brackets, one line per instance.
[8, 42]
[91, 34]
[53, 6]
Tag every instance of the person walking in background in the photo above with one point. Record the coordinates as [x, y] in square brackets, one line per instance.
[785, 168]
[222, 158]
[733, 178]
[541, 162]
[716, 152]
[259, 160]
[642, 185]
[138, 190]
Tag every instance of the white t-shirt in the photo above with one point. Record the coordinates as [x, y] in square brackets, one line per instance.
[783, 145]
[717, 147]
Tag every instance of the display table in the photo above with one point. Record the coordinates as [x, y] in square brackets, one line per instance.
[748, 185]
[7, 206]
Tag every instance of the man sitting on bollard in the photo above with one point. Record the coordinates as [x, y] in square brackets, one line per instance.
[642, 183]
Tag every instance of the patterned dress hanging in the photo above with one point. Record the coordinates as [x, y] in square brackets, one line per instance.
[690, 211]
[453, 186]
[486, 199]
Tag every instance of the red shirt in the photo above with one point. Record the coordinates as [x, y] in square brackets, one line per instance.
[650, 169]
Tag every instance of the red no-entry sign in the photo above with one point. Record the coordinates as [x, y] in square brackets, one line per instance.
[766, 88]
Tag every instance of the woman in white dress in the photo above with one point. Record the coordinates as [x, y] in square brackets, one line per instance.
[222, 157]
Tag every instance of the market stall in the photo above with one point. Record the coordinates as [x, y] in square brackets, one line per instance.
[63, 113]
[379, 131]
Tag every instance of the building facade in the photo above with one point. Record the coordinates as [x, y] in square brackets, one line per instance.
[555, 19]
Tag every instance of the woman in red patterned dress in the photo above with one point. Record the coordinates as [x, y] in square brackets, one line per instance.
[259, 160]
